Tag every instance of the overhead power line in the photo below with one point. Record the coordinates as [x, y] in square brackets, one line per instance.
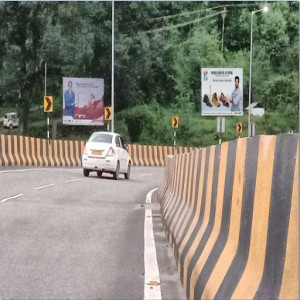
[170, 27]
[166, 17]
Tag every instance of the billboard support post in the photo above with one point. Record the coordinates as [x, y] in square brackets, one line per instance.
[220, 127]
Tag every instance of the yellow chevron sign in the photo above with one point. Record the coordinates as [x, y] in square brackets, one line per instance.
[107, 113]
[175, 122]
[48, 104]
[239, 127]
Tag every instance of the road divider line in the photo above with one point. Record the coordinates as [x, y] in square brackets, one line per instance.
[152, 280]
[44, 186]
[73, 180]
[10, 198]
[36, 169]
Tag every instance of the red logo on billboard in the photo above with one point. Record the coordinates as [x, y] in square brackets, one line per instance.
[205, 73]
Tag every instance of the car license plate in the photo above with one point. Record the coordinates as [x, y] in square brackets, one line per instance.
[97, 152]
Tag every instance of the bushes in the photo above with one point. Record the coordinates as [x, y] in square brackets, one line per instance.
[151, 124]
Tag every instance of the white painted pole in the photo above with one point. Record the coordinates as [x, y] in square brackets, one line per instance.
[249, 109]
[112, 65]
[48, 121]
[174, 138]
[265, 9]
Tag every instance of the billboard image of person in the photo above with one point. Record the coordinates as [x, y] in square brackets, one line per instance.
[221, 92]
[236, 96]
[83, 102]
[69, 98]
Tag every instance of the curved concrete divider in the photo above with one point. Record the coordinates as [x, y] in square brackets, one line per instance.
[145, 155]
[231, 214]
[28, 151]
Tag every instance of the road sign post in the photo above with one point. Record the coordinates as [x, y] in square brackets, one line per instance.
[175, 124]
[48, 121]
[108, 116]
[174, 138]
[48, 105]
[252, 129]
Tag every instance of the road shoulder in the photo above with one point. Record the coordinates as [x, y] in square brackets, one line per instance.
[171, 286]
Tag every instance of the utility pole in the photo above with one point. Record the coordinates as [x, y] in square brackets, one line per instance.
[48, 120]
[224, 12]
[112, 64]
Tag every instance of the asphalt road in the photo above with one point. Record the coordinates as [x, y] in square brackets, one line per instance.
[66, 236]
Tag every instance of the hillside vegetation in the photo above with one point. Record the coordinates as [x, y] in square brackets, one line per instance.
[160, 48]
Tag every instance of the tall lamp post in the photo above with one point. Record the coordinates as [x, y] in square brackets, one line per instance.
[265, 9]
[224, 12]
[113, 66]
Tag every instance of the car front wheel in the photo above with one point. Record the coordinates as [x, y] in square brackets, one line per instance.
[99, 173]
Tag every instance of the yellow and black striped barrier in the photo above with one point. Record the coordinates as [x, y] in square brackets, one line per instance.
[145, 155]
[231, 214]
[29, 151]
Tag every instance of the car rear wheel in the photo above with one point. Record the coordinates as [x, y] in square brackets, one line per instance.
[99, 173]
[127, 175]
[86, 172]
[116, 174]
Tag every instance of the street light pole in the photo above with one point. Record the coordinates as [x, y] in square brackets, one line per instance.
[223, 17]
[249, 110]
[48, 121]
[112, 65]
[265, 9]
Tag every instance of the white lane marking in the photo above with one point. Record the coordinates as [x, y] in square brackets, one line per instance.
[44, 186]
[39, 169]
[13, 197]
[143, 175]
[73, 180]
[152, 280]
[149, 195]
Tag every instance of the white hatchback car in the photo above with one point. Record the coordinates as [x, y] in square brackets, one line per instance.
[106, 152]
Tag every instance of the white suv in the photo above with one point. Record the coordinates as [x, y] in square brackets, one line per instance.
[11, 120]
[106, 152]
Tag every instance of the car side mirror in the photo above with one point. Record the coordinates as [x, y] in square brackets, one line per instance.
[126, 147]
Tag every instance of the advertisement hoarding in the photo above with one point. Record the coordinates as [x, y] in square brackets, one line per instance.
[222, 92]
[83, 102]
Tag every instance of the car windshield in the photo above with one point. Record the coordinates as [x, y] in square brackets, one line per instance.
[101, 138]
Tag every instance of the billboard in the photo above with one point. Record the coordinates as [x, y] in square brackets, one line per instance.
[222, 92]
[83, 102]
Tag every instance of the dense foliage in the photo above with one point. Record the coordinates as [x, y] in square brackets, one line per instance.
[160, 48]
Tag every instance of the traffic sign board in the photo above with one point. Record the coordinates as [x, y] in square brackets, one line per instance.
[175, 122]
[48, 104]
[239, 127]
[107, 113]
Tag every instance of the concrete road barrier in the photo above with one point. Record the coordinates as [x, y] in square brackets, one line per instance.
[29, 151]
[145, 155]
[231, 214]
